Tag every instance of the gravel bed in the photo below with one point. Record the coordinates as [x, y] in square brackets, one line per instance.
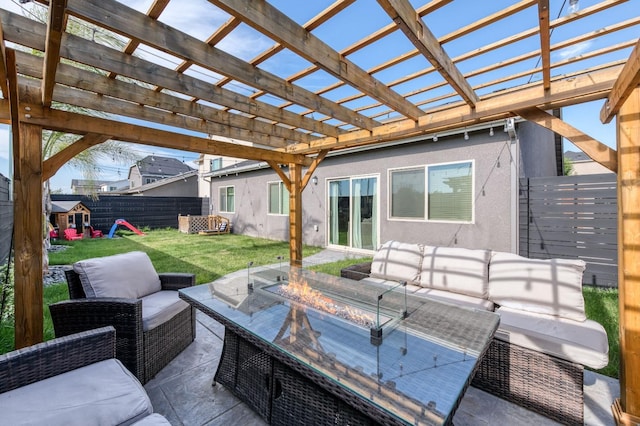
[56, 272]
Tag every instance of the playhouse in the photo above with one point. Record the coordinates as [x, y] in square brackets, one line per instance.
[70, 214]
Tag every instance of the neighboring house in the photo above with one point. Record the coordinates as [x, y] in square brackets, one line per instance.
[584, 165]
[208, 163]
[114, 185]
[153, 168]
[450, 189]
[85, 186]
[182, 185]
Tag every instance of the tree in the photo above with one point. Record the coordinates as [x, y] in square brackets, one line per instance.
[567, 166]
[88, 161]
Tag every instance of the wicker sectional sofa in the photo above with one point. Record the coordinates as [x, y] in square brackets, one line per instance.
[73, 380]
[538, 355]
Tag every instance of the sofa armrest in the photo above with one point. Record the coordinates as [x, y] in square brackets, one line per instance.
[176, 280]
[43, 360]
[73, 316]
[357, 271]
[125, 315]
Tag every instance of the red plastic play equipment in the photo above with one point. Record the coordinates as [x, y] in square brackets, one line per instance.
[123, 223]
[71, 234]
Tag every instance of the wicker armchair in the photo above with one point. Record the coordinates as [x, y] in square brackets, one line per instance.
[143, 352]
[72, 380]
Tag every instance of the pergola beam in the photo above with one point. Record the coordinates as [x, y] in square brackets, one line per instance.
[24, 31]
[154, 12]
[405, 16]
[283, 176]
[167, 109]
[55, 27]
[595, 149]
[52, 164]
[3, 65]
[133, 24]
[628, 81]
[545, 42]
[69, 122]
[328, 13]
[270, 21]
[626, 409]
[580, 88]
[312, 168]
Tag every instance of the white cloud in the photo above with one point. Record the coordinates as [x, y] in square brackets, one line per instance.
[574, 50]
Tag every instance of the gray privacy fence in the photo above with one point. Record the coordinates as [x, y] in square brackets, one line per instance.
[154, 212]
[6, 219]
[572, 217]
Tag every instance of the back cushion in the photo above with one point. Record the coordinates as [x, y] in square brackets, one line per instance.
[397, 261]
[129, 275]
[552, 287]
[458, 270]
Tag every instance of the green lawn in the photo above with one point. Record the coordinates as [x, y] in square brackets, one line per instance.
[211, 257]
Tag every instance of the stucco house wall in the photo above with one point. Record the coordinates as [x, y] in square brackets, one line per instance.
[496, 162]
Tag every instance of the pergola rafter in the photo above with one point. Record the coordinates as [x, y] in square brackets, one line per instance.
[333, 97]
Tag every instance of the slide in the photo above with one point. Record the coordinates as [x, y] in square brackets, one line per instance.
[124, 223]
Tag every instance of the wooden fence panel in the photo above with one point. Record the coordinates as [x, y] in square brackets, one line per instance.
[572, 217]
[154, 212]
[6, 219]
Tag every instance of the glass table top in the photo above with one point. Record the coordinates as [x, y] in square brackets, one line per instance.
[416, 372]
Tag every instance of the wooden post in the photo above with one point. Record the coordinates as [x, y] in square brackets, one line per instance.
[28, 225]
[295, 215]
[626, 410]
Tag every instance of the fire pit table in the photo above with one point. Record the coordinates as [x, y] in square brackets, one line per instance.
[302, 347]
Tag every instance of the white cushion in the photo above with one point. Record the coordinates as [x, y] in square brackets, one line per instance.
[458, 299]
[389, 284]
[159, 307]
[551, 287]
[397, 261]
[104, 393]
[129, 275]
[458, 270]
[581, 342]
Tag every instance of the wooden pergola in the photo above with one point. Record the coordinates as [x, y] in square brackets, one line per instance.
[219, 104]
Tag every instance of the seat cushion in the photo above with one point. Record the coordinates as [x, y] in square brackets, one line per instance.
[129, 275]
[551, 287]
[455, 269]
[159, 307]
[455, 298]
[397, 261]
[389, 284]
[581, 342]
[104, 393]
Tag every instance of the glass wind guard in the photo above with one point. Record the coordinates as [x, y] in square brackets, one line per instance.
[378, 308]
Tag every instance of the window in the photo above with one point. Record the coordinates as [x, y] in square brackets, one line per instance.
[278, 198]
[227, 199]
[149, 180]
[407, 193]
[216, 164]
[450, 192]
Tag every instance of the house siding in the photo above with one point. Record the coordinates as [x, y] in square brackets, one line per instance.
[492, 227]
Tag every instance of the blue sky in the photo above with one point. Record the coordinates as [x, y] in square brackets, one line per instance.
[199, 19]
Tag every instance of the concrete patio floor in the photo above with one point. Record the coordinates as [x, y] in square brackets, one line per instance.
[182, 391]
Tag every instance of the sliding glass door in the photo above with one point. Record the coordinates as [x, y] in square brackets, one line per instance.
[353, 212]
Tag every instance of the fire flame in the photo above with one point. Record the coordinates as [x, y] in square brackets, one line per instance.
[302, 292]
